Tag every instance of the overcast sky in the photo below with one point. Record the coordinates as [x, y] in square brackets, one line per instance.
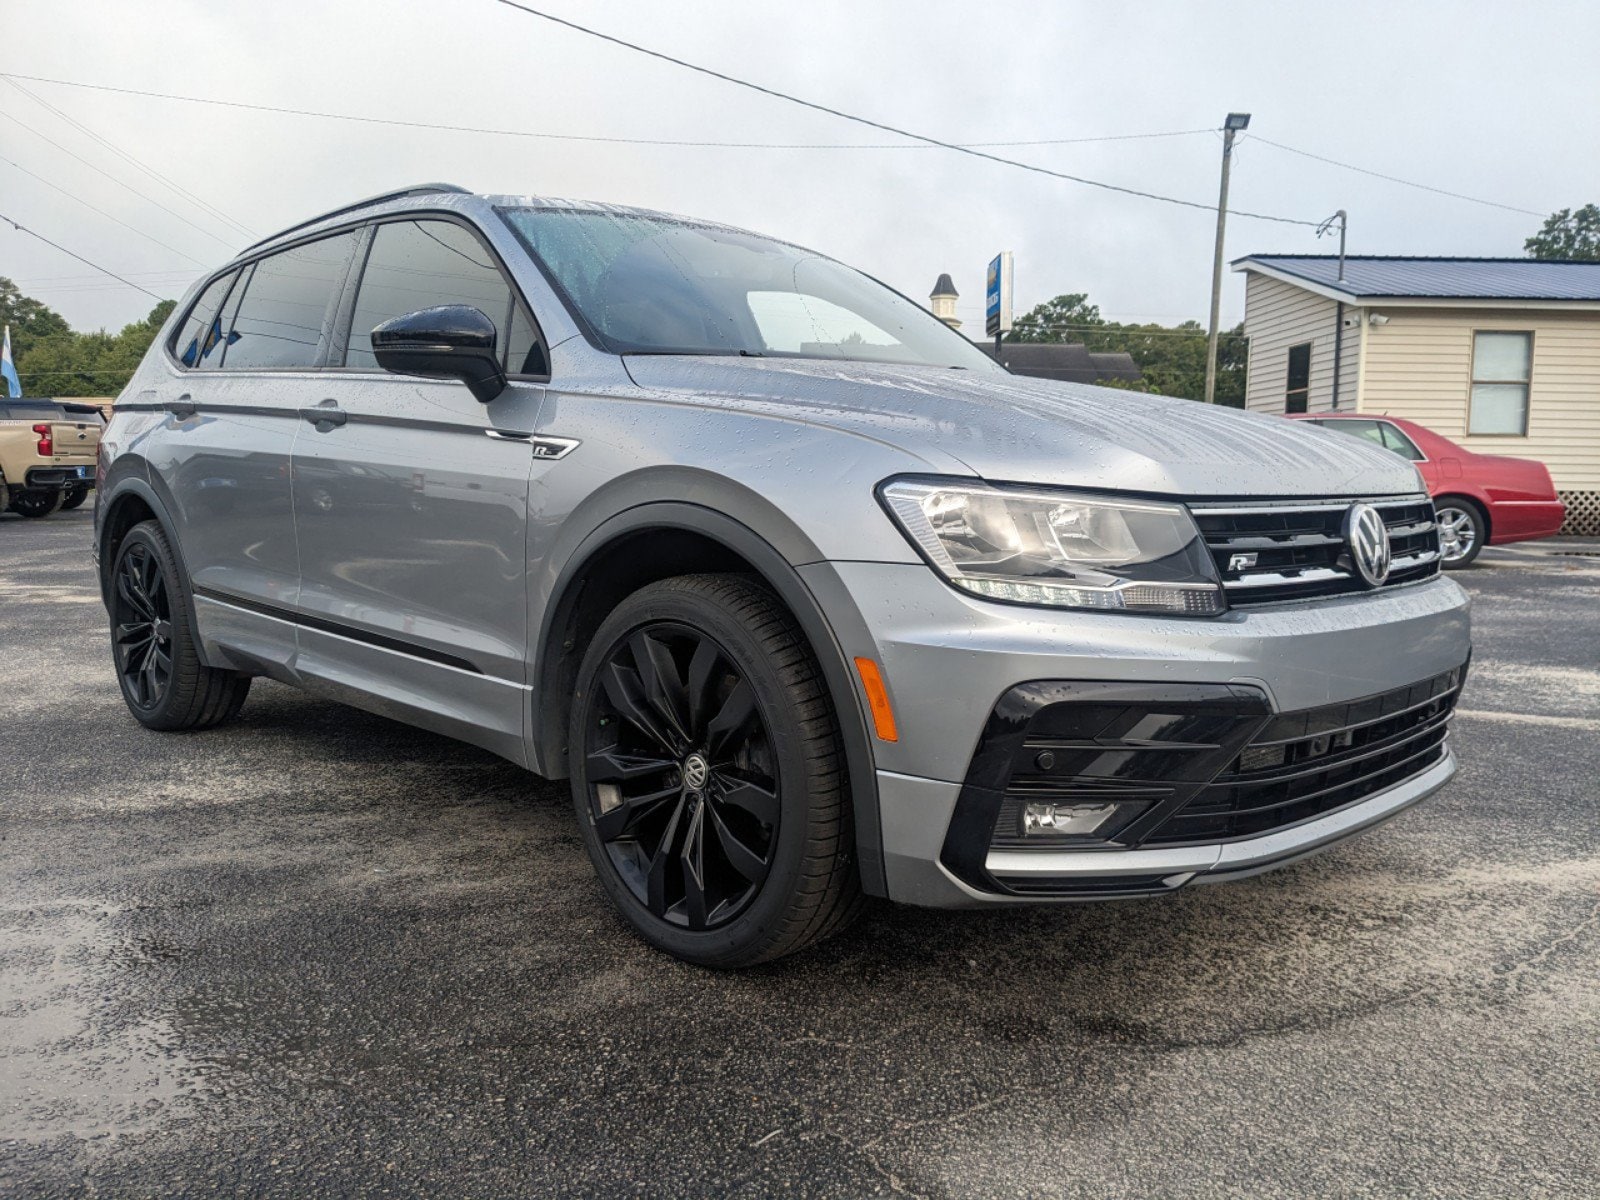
[1497, 101]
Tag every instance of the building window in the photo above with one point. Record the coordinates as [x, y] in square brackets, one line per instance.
[1501, 368]
[1298, 389]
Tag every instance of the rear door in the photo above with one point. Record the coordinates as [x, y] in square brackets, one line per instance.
[411, 502]
[250, 352]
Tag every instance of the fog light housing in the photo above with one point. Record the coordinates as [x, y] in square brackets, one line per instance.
[1066, 820]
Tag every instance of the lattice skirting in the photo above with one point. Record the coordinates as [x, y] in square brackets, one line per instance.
[1583, 513]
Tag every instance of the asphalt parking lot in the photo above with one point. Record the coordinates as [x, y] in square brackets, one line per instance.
[316, 952]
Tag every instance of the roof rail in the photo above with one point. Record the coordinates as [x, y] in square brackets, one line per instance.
[421, 189]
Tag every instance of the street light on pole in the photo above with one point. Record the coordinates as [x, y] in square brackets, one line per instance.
[1234, 123]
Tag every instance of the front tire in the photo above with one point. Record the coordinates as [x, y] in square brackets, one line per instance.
[1462, 531]
[37, 502]
[708, 774]
[153, 642]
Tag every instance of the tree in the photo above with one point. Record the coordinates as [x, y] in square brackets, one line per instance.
[1171, 359]
[52, 359]
[1570, 233]
[29, 319]
[1063, 319]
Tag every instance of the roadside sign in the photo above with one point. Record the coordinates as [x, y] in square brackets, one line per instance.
[997, 296]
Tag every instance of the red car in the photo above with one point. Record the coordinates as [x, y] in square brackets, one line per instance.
[1479, 497]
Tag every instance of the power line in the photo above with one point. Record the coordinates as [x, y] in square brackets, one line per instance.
[582, 137]
[73, 254]
[101, 211]
[210, 209]
[102, 171]
[896, 130]
[147, 276]
[1254, 137]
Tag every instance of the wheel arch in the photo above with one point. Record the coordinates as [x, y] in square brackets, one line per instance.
[655, 541]
[126, 498]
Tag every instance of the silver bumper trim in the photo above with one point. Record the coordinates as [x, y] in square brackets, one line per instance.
[1225, 859]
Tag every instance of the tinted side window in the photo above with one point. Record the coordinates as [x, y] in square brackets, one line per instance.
[216, 340]
[1394, 440]
[524, 351]
[201, 318]
[286, 304]
[1365, 430]
[420, 264]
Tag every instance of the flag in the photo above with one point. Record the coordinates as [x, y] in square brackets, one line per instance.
[8, 369]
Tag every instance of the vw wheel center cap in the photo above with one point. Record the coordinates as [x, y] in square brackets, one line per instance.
[696, 771]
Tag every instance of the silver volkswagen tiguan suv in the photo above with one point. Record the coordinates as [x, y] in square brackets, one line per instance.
[808, 598]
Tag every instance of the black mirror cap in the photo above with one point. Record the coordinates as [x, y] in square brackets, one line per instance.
[451, 341]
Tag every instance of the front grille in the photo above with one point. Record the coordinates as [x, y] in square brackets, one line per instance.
[1295, 550]
[1304, 764]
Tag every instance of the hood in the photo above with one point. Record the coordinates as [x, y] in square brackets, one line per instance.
[1007, 428]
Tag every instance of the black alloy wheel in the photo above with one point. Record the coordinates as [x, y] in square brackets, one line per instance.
[37, 502]
[74, 497]
[683, 786]
[141, 627]
[155, 649]
[708, 774]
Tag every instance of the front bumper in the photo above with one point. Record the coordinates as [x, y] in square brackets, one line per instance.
[948, 660]
[916, 876]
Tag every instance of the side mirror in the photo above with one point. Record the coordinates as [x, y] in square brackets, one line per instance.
[452, 341]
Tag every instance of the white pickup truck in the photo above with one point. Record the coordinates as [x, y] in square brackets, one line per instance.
[47, 455]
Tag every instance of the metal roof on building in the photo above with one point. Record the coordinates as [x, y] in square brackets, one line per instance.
[944, 286]
[1071, 362]
[1375, 277]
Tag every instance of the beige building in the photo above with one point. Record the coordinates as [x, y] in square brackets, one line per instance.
[1501, 355]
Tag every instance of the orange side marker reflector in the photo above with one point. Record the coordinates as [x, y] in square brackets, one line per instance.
[877, 700]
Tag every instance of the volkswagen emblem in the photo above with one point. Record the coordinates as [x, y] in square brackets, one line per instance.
[1367, 539]
[695, 772]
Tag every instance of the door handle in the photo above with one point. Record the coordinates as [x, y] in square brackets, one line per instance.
[325, 416]
[183, 407]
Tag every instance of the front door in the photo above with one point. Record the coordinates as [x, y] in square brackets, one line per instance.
[411, 507]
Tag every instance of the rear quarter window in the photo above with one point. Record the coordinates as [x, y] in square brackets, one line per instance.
[197, 329]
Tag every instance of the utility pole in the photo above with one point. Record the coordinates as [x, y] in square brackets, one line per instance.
[1342, 219]
[1234, 123]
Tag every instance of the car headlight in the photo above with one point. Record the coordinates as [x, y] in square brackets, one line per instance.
[1057, 548]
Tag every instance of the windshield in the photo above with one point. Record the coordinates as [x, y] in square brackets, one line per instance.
[655, 285]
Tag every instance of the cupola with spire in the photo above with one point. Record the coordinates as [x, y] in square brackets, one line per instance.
[944, 297]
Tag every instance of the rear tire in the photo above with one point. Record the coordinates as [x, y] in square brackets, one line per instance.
[37, 502]
[708, 774]
[74, 497]
[1463, 529]
[153, 644]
